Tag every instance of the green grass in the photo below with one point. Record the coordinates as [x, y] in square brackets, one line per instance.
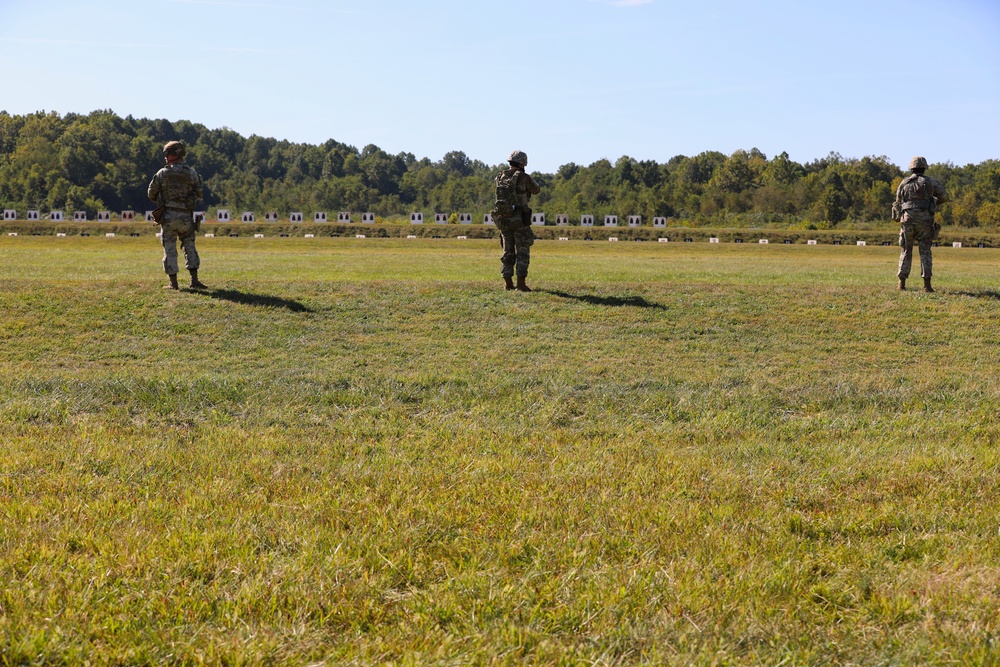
[365, 451]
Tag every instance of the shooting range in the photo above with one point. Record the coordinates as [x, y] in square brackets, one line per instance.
[9, 214]
[416, 218]
[368, 218]
[271, 216]
[319, 216]
[440, 218]
[79, 216]
[56, 216]
[586, 221]
[222, 215]
[538, 219]
[33, 215]
[248, 217]
[344, 216]
[611, 221]
[128, 216]
[295, 216]
[465, 218]
[660, 223]
[562, 220]
[634, 220]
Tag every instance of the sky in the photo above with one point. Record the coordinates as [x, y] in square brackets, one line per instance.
[563, 80]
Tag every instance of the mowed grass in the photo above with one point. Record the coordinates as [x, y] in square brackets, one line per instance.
[364, 451]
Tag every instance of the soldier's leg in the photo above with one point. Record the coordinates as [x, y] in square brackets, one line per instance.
[906, 252]
[509, 255]
[925, 235]
[525, 238]
[169, 240]
[523, 256]
[192, 262]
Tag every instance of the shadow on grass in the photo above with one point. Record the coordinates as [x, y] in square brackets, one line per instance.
[982, 294]
[255, 300]
[631, 301]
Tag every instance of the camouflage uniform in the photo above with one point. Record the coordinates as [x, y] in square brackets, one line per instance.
[178, 187]
[515, 234]
[916, 198]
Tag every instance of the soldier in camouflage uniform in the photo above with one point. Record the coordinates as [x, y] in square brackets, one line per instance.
[916, 200]
[515, 228]
[177, 188]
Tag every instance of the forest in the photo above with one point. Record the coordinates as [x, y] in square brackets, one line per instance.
[102, 161]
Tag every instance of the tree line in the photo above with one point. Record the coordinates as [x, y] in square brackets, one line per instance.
[102, 161]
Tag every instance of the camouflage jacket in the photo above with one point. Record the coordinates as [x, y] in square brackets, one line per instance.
[176, 186]
[526, 187]
[917, 198]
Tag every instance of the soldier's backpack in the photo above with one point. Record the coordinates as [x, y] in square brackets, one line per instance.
[506, 204]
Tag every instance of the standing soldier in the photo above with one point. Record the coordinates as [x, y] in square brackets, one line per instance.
[512, 216]
[176, 189]
[917, 198]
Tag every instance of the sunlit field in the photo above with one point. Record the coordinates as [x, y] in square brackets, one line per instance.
[358, 451]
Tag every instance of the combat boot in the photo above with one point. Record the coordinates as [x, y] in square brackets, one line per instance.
[927, 285]
[508, 283]
[902, 284]
[173, 282]
[195, 283]
[521, 287]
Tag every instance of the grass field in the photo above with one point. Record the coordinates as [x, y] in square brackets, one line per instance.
[365, 451]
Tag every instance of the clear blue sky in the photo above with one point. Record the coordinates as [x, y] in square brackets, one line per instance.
[564, 80]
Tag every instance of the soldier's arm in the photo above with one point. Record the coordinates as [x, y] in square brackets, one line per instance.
[530, 185]
[939, 193]
[198, 187]
[153, 191]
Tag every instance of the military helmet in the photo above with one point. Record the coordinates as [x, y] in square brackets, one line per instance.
[918, 163]
[520, 157]
[175, 148]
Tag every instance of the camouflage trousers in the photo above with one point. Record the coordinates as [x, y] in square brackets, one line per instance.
[921, 233]
[516, 250]
[177, 226]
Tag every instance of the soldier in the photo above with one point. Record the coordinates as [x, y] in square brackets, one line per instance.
[513, 218]
[916, 200]
[176, 189]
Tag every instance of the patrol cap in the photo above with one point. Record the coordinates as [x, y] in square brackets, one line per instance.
[918, 162]
[520, 157]
[175, 148]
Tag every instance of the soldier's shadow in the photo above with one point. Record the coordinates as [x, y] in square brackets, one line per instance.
[981, 294]
[262, 300]
[617, 301]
